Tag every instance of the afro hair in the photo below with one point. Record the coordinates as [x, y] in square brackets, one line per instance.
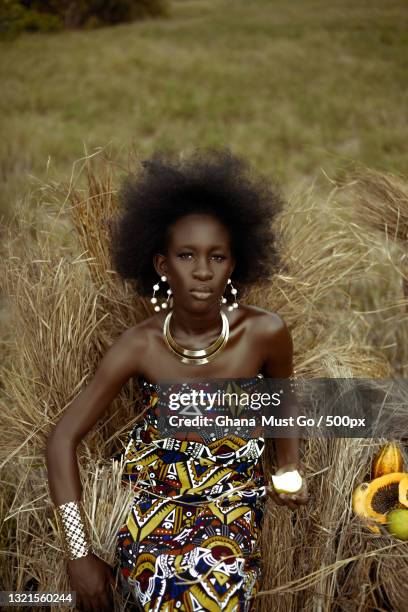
[211, 181]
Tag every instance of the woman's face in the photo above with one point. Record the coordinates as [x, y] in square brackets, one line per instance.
[198, 262]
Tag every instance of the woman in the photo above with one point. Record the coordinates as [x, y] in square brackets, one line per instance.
[197, 226]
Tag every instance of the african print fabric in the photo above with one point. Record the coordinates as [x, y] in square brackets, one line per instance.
[190, 541]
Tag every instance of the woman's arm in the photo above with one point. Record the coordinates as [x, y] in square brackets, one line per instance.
[279, 364]
[120, 363]
[114, 370]
[89, 576]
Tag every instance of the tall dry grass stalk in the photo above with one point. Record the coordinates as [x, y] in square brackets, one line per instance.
[340, 292]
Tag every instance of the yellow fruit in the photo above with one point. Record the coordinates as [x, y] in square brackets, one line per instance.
[403, 491]
[387, 461]
[397, 523]
[358, 503]
[382, 496]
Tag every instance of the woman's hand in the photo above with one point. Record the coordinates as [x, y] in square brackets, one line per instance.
[91, 578]
[293, 500]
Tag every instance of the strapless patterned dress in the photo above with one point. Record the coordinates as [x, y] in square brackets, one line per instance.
[191, 539]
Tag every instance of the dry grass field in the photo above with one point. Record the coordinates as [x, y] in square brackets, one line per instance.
[290, 84]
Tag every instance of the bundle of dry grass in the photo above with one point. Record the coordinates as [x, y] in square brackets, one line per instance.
[378, 201]
[331, 296]
[69, 306]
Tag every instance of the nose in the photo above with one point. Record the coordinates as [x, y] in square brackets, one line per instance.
[203, 270]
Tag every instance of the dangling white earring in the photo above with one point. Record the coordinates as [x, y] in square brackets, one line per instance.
[153, 299]
[234, 292]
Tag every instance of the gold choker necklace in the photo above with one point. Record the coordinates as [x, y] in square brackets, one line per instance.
[200, 356]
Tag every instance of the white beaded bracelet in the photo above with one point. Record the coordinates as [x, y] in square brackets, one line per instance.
[75, 536]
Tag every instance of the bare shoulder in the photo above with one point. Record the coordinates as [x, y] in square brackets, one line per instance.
[273, 341]
[122, 359]
[265, 322]
[139, 335]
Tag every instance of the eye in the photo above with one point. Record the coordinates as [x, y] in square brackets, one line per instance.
[184, 255]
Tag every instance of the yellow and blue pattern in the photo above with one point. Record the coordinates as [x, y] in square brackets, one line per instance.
[191, 539]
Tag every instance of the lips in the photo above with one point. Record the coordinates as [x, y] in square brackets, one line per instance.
[202, 289]
[201, 293]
